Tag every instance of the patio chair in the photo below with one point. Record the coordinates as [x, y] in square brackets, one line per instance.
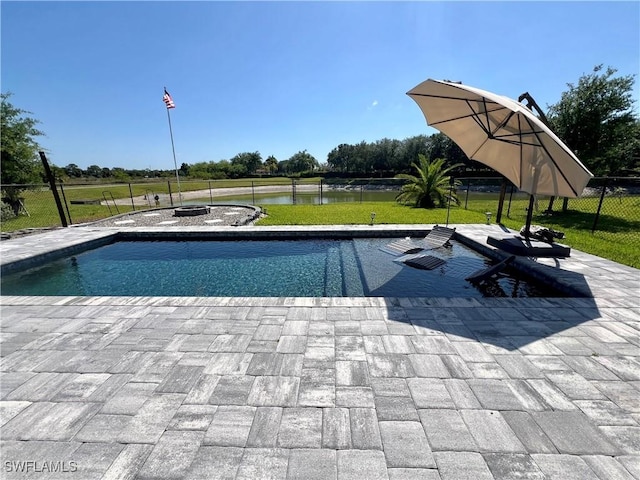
[482, 275]
[424, 262]
[436, 238]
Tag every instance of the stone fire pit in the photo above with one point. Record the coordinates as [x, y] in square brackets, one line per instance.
[191, 211]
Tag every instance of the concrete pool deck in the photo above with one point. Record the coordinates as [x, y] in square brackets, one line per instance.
[328, 388]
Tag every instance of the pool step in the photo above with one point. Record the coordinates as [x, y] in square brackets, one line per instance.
[333, 274]
[351, 279]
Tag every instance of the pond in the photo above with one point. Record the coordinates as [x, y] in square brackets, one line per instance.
[301, 198]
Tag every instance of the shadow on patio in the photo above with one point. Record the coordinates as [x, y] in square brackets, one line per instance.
[503, 321]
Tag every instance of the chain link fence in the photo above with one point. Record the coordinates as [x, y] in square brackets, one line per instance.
[608, 205]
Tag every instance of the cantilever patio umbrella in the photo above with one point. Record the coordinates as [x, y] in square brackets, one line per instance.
[504, 135]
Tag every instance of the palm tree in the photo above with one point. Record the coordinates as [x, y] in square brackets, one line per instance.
[271, 164]
[430, 188]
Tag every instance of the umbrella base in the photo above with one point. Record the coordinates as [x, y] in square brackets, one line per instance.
[529, 248]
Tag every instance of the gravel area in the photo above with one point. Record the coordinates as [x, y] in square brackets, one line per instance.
[219, 215]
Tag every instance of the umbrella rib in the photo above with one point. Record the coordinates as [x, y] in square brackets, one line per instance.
[503, 123]
[447, 97]
[485, 129]
[473, 115]
[553, 160]
[516, 142]
[476, 118]
[501, 138]
[452, 119]
[516, 135]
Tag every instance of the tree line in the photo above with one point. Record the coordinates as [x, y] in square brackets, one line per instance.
[382, 158]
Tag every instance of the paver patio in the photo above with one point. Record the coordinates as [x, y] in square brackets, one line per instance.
[326, 388]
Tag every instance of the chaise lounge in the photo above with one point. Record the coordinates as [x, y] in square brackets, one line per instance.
[436, 238]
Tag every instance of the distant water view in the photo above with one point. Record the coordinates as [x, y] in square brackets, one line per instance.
[329, 196]
[303, 198]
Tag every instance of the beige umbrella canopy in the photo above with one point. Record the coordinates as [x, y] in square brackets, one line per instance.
[504, 135]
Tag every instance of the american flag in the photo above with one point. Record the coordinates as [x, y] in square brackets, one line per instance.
[168, 100]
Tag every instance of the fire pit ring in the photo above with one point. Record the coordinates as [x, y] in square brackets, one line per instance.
[191, 211]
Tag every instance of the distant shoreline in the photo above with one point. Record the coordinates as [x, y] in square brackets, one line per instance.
[215, 192]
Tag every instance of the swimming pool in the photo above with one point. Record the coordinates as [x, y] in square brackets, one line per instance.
[258, 268]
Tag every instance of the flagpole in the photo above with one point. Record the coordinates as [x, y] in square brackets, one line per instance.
[173, 149]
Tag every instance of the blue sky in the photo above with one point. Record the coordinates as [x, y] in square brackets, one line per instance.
[281, 77]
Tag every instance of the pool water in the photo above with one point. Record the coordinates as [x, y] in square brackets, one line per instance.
[276, 268]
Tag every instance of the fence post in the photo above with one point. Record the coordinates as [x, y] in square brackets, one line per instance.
[54, 190]
[253, 194]
[466, 198]
[210, 193]
[550, 207]
[595, 220]
[321, 191]
[361, 187]
[293, 190]
[451, 182]
[133, 205]
[503, 193]
[510, 197]
[170, 194]
[66, 204]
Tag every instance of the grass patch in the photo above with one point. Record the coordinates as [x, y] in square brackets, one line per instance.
[360, 214]
[46, 215]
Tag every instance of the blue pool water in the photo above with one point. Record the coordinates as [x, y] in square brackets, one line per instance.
[296, 268]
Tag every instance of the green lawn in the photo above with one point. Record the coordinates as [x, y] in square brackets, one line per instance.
[350, 213]
[44, 213]
[617, 236]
